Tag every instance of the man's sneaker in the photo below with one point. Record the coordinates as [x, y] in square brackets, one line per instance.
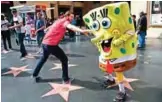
[109, 83]
[5, 51]
[68, 81]
[29, 56]
[120, 97]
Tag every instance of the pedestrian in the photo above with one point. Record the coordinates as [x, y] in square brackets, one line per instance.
[18, 26]
[40, 26]
[5, 34]
[28, 32]
[71, 32]
[50, 45]
[61, 15]
[142, 29]
[134, 21]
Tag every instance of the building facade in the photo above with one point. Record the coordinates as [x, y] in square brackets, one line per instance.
[77, 7]
[153, 9]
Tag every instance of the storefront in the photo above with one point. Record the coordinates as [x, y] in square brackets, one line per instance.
[153, 9]
[154, 14]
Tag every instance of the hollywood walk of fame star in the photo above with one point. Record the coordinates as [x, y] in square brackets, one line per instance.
[59, 66]
[17, 70]
[126, 83]
[61, 89]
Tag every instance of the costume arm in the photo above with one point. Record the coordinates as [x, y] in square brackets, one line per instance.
[123, 38]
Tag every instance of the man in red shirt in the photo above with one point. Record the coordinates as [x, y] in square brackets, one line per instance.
[50, 45]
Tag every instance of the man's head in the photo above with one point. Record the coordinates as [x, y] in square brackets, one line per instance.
[14, 12]
[142, 14]
[61, 15]
[39, 15]
[69, 15]
[134, 17]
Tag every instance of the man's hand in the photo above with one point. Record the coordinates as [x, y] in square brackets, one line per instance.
[117, 42]
[137, 32]
[36, 32]
[12, 27]
[86, 32]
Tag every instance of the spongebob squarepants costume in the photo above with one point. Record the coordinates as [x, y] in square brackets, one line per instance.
[115, 36]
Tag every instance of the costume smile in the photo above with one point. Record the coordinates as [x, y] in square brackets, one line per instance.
[106, 45]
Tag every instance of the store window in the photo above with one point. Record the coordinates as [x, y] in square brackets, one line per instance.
[156, 13]
[22, 2]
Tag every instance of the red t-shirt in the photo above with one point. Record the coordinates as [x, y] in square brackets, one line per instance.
[56, 32]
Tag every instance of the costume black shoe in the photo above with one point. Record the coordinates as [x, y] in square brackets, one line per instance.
[37, 79]
[121, 97]
[68, 81]
[108, 83]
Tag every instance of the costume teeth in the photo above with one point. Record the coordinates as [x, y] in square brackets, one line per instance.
[106, 41]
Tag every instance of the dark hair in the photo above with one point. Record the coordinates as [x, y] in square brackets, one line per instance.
[134, 16]
[14, 11]
[142, 13]
[61, 13]
[2, 17]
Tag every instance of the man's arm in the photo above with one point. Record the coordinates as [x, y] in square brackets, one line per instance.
[16, 26]
[76, 29]
[42, 26]
[47, 28]
[20, 20]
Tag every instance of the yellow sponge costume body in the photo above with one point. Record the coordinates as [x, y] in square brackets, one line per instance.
[115, 36]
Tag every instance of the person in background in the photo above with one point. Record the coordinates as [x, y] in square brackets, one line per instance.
[71, 32]
[18, 26]
[61, 15]
[52, 38]
[134, 21]
[27, 28]
[40, 26]
[29, 22]
[5, 34]
[142, 29]
[78, 21]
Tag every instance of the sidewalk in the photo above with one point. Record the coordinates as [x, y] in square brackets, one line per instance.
[83, 66]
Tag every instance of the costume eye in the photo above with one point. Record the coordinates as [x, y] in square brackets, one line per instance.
[106, 23]
[96, 25]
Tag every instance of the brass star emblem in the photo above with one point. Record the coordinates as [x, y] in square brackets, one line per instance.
[17, 70]
[62, 89]
[126, 83]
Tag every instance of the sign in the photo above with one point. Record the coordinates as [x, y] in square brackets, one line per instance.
[156, 13]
